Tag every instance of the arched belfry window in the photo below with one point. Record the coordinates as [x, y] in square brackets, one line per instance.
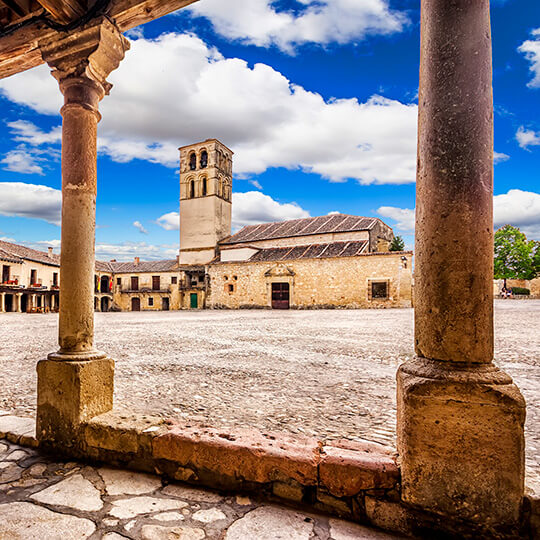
[192, 161]
[204, 159]
[191, 189]
[204, 187]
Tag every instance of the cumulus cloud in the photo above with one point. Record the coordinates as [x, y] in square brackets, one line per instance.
[404, 217]
[126, 251]
[21, 161]
[193, 93]
[516, 207]
[27, 132]
[499, 157]
[531, 50]
[30, 201]
[258, 22]
[139, 226]
[247, 209]
[527, 137]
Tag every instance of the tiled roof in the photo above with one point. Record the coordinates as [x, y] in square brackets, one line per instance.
[334, 223]
[21, 252]
[312, 251]
[143, 266]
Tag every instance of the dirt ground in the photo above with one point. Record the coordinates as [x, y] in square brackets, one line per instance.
[323, 373]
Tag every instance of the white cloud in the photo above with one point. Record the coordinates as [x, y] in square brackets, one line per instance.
[247, 209]
[499, 157]
[126, 251]
[28, 132]
[516, 207]
[30, 201]
[7, 239]
[190, 92]
[531, 50]
[520, 209]
[22, 161]
[258, 22]
[404, 217]
[527, 137]
[139, 226]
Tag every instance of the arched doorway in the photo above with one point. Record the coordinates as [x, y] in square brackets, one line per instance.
[104, 303]
[105, 282]
[135, 304]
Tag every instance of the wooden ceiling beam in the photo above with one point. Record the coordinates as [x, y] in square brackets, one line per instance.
[19, 8]
[19, 49]
[63, 11]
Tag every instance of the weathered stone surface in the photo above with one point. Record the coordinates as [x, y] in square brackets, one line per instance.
[23, 521]
[9, 472]
[344, 530]
[120, 482]
[74, 492]
[242, 454]
[169, 516]
[347, 472]
[113, 536]
[37, 470]
[16, 455]
[3, 448]
[128, 508]
[16, 426]
[387, 515]
[291, 492]
[192, 494]
[269, 523]
[209, 515]
[157, 532]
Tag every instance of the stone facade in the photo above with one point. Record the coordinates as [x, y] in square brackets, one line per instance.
[314, 283]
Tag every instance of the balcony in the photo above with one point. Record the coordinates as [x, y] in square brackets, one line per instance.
[145, 290]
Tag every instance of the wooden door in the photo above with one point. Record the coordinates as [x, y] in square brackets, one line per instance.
[134, 283]
[280, 296]
[165, 304]
[156, 285]
[194, 301]
[135, 304]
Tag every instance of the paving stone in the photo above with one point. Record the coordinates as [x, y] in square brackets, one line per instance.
[16, 455]
[3, 448]
[344, 530]
[74, 492]
[128, 508]
[192, 494]
[113, 536]
[118, 482]
[16, 425]
[209, 515]
[169, 516]
[157, 532]
[9, 472]
[37, 470]
[271, 523]
[242, 500]
[25, 521]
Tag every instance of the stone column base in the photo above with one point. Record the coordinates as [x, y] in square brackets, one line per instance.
[69, 393]
[460, 441]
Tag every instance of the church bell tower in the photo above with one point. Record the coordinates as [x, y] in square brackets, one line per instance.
[205, 199]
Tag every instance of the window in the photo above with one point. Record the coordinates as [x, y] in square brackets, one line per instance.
[134, 283]
[119, 281]
[33, 277]
[230, 288]
[201, 278]
[191, 189]
[225, 278]
[204, 186]
[379, 290]
[174, 280]
[150, 301]
[55, 279]
[204, 159]
[235, 278]
[192, 161]
[156, 283]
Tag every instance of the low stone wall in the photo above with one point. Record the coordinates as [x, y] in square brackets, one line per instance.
[356, 480]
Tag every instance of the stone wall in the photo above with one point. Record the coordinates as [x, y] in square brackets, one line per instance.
[314, 283]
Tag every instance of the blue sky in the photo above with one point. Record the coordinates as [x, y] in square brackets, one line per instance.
[316, 97]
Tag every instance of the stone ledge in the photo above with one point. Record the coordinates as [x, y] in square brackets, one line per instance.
[18, 430]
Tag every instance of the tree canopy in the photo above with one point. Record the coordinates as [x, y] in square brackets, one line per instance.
[515, 256]
[397, 244]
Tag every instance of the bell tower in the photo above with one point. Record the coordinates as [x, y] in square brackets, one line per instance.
[205, 199]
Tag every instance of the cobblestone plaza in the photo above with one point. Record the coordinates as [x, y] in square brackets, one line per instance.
[327, 374]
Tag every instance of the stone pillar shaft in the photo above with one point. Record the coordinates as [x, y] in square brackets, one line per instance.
[79, 177]
[454, 190]
[460, 419]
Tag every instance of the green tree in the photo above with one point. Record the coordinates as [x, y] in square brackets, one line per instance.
[515, 255]
[397, 244]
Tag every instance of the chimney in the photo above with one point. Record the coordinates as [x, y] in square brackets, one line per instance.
[137, 261]
[177, 260]
[113, 260]
[50, 252]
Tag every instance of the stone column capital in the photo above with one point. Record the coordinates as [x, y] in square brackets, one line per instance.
[86, 56]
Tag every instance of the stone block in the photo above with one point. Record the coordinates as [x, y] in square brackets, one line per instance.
[389, 516]
[291, 491]
[71, 393]
[345, 473]
[243, 455]
[461, 441]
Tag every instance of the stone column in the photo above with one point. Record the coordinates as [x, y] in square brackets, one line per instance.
[460, 419]
[18, 302]
[2, 308]
[76, 383]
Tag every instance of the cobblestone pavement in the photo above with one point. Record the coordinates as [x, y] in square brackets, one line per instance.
[323, 373]
[46, 500]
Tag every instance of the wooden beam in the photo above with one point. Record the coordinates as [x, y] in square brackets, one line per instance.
[19, 50]
[63, 11]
